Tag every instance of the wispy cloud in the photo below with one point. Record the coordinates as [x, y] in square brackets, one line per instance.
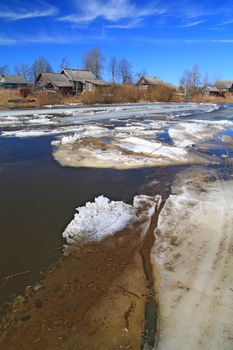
[134, 23]
[47, 39]
[192, 24]
[22, 12]
[230, 21]
[173, 42]
[112, 11]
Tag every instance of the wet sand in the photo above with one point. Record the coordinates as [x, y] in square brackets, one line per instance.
[94, 298]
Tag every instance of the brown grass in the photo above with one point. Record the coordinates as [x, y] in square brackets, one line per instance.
[102, 95]
[48, 98]
[127, 93]
[8, 94]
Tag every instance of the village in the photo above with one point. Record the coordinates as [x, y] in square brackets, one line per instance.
[77, 82]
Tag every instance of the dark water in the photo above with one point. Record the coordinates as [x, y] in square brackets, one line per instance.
[38, 199]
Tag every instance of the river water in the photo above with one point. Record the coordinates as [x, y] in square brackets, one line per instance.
[39, 196]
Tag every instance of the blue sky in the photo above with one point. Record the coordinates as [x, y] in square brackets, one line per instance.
[162, 37]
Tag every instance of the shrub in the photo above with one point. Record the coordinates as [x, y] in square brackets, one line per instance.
[127, 93]
[8, 94]
[160, 93]
[49, 98]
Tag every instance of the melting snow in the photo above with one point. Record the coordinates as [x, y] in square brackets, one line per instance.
[189, 133]
[193, 252]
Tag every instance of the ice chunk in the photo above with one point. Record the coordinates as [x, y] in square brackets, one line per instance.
[103, 217]
[96, 220]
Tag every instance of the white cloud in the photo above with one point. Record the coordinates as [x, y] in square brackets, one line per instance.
[111, 10]
[20, 12]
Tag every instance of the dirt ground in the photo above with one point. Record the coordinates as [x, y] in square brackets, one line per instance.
[93, 298]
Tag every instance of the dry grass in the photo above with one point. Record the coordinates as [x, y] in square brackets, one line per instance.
[48, 98]
[102, 95]
[128, 93]
[8, 94]
[212, 99]
[24, 98]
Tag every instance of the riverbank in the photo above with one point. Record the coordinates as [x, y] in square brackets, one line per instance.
[13, 99]
[98, 289]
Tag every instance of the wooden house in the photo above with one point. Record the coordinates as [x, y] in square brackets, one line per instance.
[146, 82]
[54, 82]
[69, 81]
[211, 90]
[83, 80]
[13, 82]
[225, 85]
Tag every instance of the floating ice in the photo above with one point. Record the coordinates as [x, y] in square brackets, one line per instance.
[189, 133]
[151, 148]
[118, 154]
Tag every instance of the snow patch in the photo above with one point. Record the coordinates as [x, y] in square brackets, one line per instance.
[193, 255]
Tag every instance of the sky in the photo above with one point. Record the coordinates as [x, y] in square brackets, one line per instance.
[160, 37]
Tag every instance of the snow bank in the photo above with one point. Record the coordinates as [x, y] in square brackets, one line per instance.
[193, 254]
[103, 217]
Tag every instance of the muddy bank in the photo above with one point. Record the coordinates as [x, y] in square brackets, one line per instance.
[93, 298]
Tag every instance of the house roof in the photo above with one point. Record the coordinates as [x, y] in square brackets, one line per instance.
[97, 82]
[59, 80]
[150, 80]
[13, 79]
[211, 88]
[225, 84]
[79, 75]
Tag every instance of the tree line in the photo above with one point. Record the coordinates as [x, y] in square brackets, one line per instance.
[120, 70]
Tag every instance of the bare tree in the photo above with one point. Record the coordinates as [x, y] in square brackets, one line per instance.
[216, 78]
[4, 70]
[41, 65]
[124, 71]
[195, 76]
[113, 68]
[186, 81]
[25, 70]
[64, 63]
[206, 80]
[93, 60]
[190, 80]
[140, 74]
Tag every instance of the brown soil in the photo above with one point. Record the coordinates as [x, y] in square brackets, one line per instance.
[93, 298]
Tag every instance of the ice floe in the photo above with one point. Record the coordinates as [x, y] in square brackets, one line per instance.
[188, 133]
[120, 153]
[193, 260]
[101, 218]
